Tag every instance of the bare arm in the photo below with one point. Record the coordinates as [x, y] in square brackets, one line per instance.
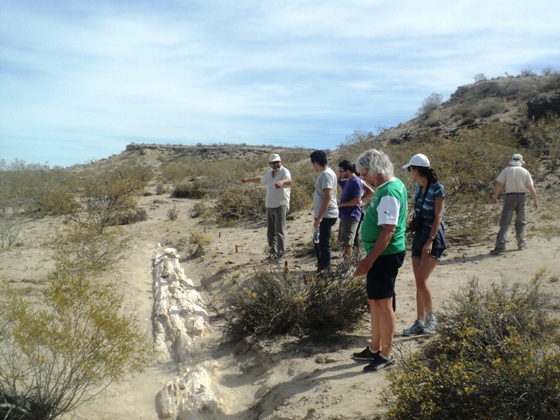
[533, 193]
[282, 182]
[368, 191]
[427, 249]
[497, 191]
[327, 195]
[251, 180]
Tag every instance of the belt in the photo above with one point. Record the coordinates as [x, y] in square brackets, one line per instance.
[515, 193]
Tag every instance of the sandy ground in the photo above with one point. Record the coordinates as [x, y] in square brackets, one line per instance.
[277, 379]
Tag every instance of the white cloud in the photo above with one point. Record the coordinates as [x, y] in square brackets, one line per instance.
[102, 73]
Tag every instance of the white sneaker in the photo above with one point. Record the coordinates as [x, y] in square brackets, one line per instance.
[430, 327]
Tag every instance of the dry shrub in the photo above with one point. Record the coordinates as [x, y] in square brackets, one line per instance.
[109, 198]
[172, 214]
[191, 190]
[238, 203]
[276, 302]
[92, 251]
[36, 189]
[10, 226]
[199, 241]
[67, 348]
[497, 355]
[544, 136]
[129, 216]
[303, 185]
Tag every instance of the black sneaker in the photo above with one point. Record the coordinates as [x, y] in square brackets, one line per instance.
[366, 354]
[379, 363]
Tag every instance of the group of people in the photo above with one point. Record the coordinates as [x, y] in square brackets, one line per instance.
[383, 229]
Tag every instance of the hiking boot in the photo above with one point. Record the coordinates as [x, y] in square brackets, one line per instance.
[521, 245]
[366, 354]
[497, 251]
[430, 327]
[417, 328]
[380, 363]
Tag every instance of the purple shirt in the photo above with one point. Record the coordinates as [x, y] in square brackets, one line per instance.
[351, 188]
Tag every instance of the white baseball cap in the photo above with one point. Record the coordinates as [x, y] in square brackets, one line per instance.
[418, 160]
[274, 158]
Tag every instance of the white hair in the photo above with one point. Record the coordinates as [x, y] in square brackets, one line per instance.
[376, 162]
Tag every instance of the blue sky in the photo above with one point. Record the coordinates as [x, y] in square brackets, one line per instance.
[81, 79]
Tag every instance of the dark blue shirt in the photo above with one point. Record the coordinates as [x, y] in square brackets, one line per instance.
[351, 188]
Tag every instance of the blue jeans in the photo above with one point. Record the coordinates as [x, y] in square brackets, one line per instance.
[513, 203]
[323, 248]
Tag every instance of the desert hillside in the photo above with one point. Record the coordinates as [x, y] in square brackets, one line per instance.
[288, 377]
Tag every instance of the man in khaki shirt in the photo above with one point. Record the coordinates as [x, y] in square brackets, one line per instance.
[517, 180]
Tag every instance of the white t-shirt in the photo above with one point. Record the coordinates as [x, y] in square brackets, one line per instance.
[516, 179]
[276, 197]
[326, 180]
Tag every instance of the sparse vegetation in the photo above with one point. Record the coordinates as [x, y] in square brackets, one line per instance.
[10, 226]
[468, 141]
[35, 189]
[545, 136]
[430, 104]
[199, 241]
[480, 77]
[497, 355]
[172, 214]
[57, 355]
[275, 302]
[109, 198]
[91, 250]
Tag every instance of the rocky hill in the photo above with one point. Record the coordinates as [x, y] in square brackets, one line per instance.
[512, 100]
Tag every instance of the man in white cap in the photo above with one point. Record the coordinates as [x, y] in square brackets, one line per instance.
[517, 180]
[277, 202]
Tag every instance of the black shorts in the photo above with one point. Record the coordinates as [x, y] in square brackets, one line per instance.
[382, 276]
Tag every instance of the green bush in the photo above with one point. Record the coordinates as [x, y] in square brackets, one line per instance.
[497, 356]
[91, 250]
[64, 350]
[36, 189]
[275, 302]
[109, 198]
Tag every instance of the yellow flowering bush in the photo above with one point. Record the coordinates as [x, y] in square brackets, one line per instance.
[497, 356]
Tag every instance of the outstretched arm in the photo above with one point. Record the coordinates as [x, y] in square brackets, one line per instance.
[251, 180]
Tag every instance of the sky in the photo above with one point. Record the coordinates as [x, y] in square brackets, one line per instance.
[81, 79]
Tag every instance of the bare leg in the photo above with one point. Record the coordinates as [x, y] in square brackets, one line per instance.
[423, 268]
[347, 252]
[383, 323]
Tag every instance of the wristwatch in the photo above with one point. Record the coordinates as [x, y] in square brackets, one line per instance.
[431, 238]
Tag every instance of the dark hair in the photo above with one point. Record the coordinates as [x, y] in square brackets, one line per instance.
[319, 156]
[426, 172]
[346, 165]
